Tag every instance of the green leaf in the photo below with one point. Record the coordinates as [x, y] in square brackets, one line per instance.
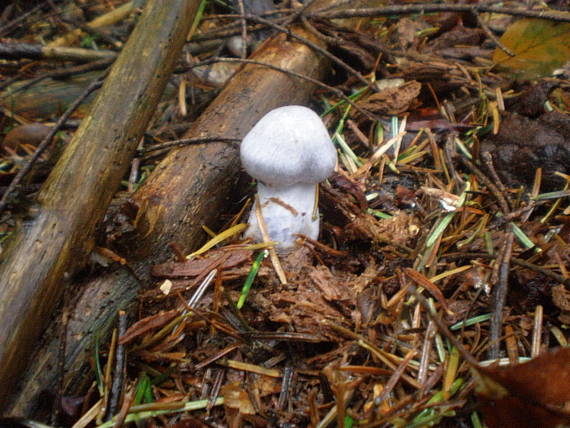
[540, 46]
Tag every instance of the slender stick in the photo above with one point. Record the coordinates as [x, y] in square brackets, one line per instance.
[336, 91]
[243, 22]
[433, 7]
[315, 47]
[500, 296]
[118, 371]
[46, 141]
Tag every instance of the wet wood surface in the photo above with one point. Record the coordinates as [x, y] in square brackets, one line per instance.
[57, 237]
[190, 187]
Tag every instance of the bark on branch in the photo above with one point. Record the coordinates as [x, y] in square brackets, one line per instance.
[188, 188]
[46, 250]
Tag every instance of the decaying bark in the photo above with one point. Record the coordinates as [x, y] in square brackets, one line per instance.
[191, 184]
[46, 250]
[189, 188]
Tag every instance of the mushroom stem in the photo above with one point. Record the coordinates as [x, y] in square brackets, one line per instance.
[287, 210]
[289, 152]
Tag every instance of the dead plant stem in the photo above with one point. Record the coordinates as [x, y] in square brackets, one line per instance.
[500, 296]
[503, 204]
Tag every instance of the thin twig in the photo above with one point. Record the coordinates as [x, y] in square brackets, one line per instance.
[488, 159]
[316, 48]
[16, 21]
[118, 371]
[298, 13]
[323, 247]
[124, 411]
[500, 297]
[233, 29]
[503, 205]
[392, 382]
[60, 74]
[522, 211]
[316, 82]
[491, 35]
[243, 23]
[311, 29]
[432, 7]
[187, 142]
[226, 32]
[47, 140]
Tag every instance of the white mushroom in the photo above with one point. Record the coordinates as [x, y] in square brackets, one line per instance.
[289, 152]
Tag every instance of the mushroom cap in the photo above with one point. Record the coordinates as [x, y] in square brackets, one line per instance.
[288, 145]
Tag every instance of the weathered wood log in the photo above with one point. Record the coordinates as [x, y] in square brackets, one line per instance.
[92, 316]
[43, 100]
[186, 190]
[212, 169]
[191, 184]
[45, 252]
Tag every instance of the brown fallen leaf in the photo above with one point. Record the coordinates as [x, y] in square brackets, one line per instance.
[523, 145]
[147, 324]
[540, 46]
[194, 267]
[532, 394]
[392, 101]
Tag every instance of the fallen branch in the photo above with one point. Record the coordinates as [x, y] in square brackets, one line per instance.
[55, 243]
[431, 8]
[186, 190]
[30, 51]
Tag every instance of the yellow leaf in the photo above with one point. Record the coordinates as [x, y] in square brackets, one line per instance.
[540, 46]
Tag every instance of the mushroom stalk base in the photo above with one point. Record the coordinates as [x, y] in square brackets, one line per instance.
[287, 210]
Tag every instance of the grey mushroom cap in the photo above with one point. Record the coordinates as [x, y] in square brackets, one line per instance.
[289, 145]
